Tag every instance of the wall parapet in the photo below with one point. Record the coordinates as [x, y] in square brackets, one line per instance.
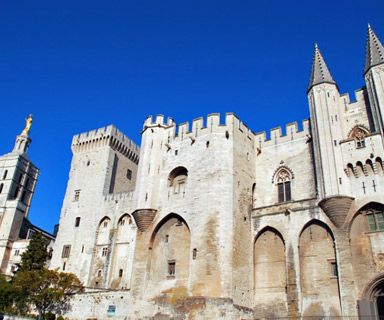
[106, 136]
[277, 136]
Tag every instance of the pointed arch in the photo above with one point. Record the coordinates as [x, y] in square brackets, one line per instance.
[170, 255]
[318, 270]
[269, 271]
[282, 178]
[358, 133]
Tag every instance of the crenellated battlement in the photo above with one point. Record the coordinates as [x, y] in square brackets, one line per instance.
[214, 123]
[106, 136]
[276, 135]
[200, 126]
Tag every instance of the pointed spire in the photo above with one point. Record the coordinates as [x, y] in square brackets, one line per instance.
[22, 140]
[320, 72]
[374, 51]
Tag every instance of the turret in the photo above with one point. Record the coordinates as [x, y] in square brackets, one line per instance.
[374, 78]
[155, 139]
[326, 127]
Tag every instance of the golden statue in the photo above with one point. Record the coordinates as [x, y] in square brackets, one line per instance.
[28, 124]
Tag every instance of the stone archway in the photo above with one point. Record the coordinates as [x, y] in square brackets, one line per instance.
[371, 306]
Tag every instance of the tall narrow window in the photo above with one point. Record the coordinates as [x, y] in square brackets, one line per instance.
[120, 273]
[283, 185]
[1, 187]
[5, 174]
[171, 268]
[77, 221]
[66, 251]
[129, 174]
[104, 252]
[77, 195]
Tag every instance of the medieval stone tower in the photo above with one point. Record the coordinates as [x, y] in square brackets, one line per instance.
[18, 179]
[210, 220]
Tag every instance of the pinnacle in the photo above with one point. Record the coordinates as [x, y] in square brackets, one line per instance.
[374, 50]
[320, 72]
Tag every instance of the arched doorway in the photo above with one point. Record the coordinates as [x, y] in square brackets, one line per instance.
[372, 304]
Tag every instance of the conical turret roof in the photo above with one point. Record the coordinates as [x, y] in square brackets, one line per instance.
[374, 51]
[320, 72]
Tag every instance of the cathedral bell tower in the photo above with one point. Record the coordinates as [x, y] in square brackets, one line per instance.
[18, 178]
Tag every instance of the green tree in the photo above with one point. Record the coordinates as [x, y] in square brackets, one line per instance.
[36, 255]
[46, 290]
[6, 294]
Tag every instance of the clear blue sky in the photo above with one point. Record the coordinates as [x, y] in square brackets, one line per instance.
[79, 65]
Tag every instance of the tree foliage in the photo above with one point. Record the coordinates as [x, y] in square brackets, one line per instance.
[36, 255]
[6, 294]
[46, 290]
[36, 288]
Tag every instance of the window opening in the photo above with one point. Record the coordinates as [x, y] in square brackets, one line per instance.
[104, 252]
[194, 254]
[283, 186]
[120, 273]
[129, 174]
[77, 195]
[375, 220]
[77, 221]
[171, 268]
[66, 251]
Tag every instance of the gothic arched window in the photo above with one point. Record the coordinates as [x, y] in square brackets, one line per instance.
[358, 133]
[283, 181]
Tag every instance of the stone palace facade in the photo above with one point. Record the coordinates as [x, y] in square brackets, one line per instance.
[212, 221]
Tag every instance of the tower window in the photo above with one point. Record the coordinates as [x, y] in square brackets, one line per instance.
[16, 193]
[129, 174]
[99, 273]
[17, 252]
[5, 174]
[22, 198]
[77, 195]
[66, 251]
[77, 221]
[104, 252]
[194, 254]
[171, 268]
[1, 187]
[334, 272]
[64, 264]
[120, 273]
